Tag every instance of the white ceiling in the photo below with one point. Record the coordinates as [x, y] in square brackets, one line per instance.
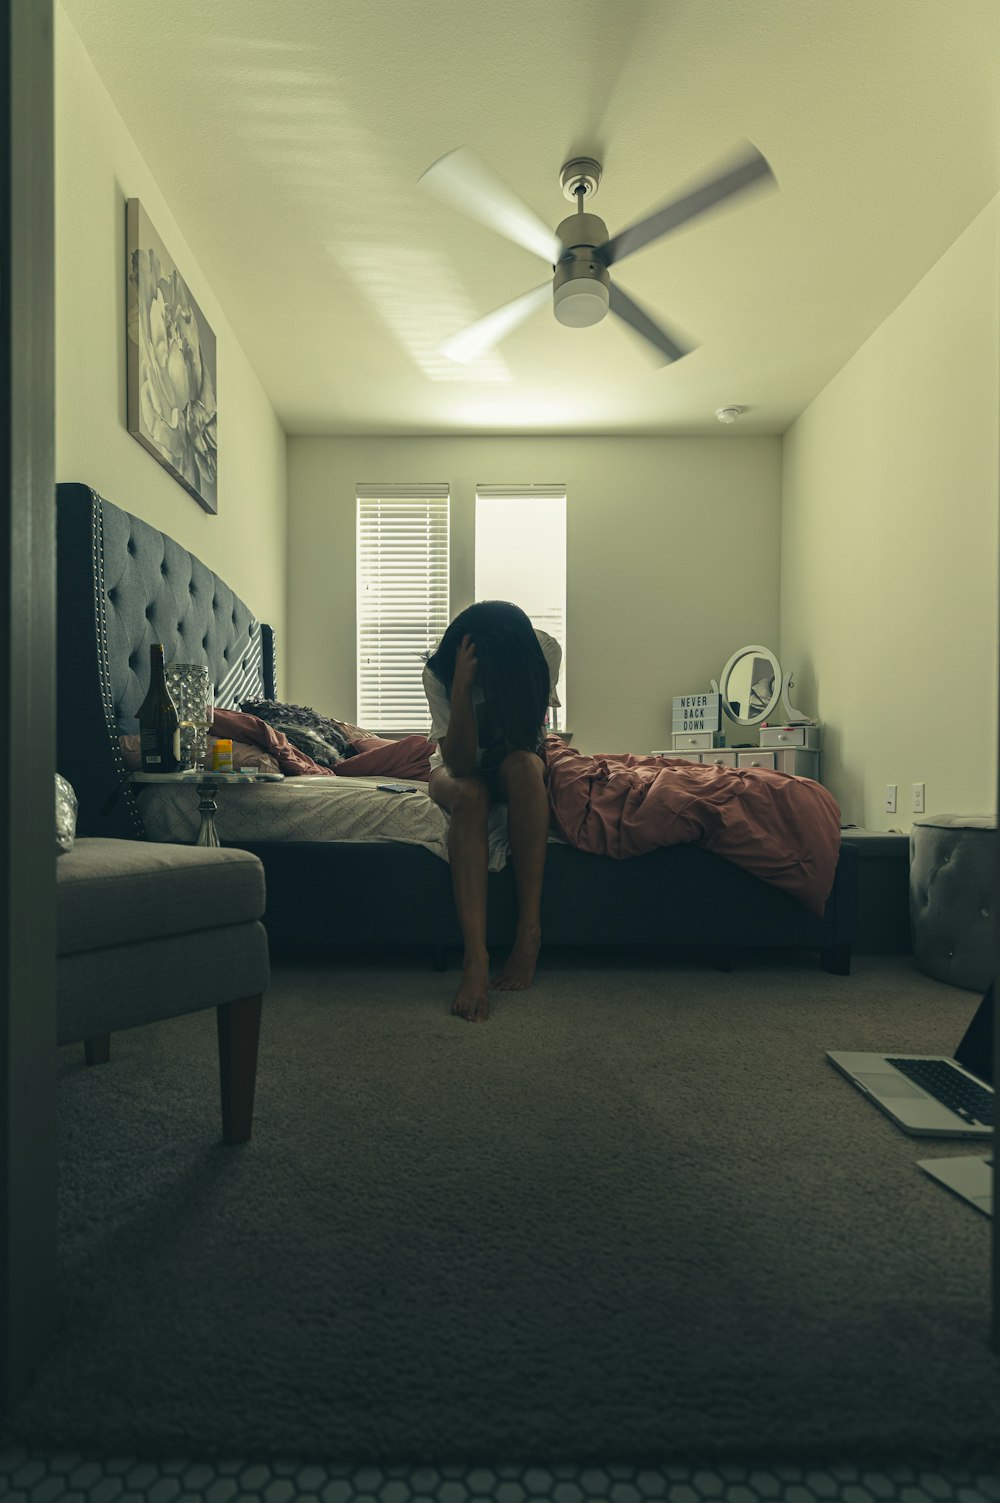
[288, 135]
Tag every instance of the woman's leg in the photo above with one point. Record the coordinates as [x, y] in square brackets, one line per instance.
[522, 777]
[467, 801]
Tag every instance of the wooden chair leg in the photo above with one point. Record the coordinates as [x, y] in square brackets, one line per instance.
[239, 1031]
[97, 1051]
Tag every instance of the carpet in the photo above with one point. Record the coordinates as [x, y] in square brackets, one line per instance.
[636, 1216]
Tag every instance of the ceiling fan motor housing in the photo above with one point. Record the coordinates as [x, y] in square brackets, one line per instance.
[581, 287]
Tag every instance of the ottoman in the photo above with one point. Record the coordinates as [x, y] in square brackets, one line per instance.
[953, 874]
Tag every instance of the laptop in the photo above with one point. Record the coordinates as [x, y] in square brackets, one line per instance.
[967, 1175]
[931, 1095]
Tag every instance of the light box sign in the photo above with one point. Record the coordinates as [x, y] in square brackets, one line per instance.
[697, 712]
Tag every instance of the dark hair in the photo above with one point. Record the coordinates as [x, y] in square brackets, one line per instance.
[512, 671]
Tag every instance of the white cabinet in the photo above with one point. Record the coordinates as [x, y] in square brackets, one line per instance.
[783, 748]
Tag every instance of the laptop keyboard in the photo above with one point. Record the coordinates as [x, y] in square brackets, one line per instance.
[972, 1102]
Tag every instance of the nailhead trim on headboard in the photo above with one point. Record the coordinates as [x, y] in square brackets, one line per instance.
[104, 672]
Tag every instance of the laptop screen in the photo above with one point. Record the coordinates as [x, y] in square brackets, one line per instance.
[975, 1052]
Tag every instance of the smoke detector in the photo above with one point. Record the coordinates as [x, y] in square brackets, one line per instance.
[728, 414]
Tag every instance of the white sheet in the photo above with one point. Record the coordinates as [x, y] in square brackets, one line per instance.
[311, 808]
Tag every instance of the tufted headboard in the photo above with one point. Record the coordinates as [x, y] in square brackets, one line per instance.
[121, 585]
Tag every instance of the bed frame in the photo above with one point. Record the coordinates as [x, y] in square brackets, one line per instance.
[122, 584]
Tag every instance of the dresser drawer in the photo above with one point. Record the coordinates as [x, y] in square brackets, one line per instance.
[755, 759]
[713, 757]
[790, 735]
[686, 740]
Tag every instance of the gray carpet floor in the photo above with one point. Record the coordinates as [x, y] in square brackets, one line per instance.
[637, 1216]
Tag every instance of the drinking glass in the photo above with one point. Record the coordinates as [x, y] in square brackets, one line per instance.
[191, 691]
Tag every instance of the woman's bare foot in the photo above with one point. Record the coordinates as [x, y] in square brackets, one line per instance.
[518, 970]
[472, 1000]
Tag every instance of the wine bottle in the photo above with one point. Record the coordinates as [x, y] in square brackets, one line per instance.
[159, 726]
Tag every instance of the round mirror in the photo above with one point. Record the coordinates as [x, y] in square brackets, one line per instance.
[750, 685]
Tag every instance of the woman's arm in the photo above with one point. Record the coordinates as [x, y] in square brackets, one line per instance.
[460, 742]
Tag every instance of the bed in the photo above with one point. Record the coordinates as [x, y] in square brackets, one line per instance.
[122, 584]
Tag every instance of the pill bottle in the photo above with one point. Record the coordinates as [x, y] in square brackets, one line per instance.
[222, 756]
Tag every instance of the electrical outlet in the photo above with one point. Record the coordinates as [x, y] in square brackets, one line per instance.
[918, 798]
[890, 798]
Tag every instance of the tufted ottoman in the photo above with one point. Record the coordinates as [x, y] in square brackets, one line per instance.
[953, 873]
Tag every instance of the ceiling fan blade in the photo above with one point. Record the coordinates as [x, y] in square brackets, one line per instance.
[641, 322]
[750, 169]
[481, 336]
[465, 182]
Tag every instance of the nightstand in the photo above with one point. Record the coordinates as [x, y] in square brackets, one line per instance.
[207, 784]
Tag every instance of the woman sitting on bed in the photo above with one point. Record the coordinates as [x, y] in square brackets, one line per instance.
[488, 686]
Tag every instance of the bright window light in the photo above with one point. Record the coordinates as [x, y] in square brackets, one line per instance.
[521, 556]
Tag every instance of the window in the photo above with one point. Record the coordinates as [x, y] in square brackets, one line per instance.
[521, 556]
[402, 585]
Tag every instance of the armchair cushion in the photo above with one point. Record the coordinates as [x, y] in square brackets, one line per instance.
[122, 892]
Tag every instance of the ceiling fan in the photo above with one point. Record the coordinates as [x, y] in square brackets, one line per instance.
[580, 251]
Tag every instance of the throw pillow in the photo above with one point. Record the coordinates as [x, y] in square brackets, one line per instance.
[409, 757]
[65, 816]
[327, 743]
[308, 741]
[355, 733]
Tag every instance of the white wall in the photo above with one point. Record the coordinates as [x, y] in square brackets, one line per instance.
[98, 167]
[673, 555]
[889, 547]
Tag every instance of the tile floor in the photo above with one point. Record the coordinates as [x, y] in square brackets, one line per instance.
[70, 1477]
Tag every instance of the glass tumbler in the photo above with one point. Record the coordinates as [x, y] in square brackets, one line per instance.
[191, 691]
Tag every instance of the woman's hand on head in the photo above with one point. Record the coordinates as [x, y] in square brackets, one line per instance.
[466, 666]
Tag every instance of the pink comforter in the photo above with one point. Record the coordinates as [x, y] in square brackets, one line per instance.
[783, 829]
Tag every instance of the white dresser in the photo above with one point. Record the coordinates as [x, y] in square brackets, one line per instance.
[784, 748]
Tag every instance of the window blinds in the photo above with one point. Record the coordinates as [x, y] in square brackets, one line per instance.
[402, 600]
[519, 492]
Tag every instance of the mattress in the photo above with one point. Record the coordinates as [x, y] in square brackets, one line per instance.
[313, 809]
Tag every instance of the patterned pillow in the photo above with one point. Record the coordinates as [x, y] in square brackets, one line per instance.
[65, 815]
[355, 733]
[319, 737]
[311, 742]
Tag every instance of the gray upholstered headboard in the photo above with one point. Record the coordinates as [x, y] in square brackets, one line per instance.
[121, 585]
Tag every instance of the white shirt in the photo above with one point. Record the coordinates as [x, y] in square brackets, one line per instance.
[440, 703]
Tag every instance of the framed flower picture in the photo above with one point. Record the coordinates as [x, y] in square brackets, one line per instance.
[170, 364]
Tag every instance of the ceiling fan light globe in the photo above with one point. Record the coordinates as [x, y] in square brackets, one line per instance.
[580, 302]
